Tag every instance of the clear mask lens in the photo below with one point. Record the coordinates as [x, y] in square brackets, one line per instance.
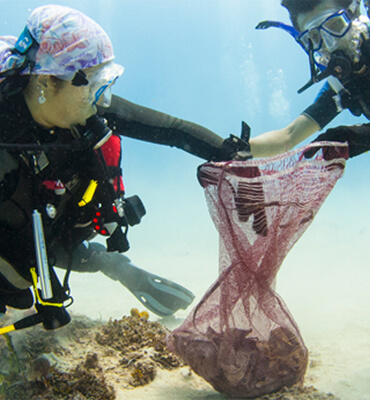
[103, 95]
[331, 43]
[100, 84]
[105, 98]
[314, 36]
[337, 25]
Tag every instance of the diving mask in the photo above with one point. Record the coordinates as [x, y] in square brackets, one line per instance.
[101, 82]
[334, 26]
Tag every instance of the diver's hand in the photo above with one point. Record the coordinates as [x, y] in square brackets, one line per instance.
[235, 148]
[357, 137]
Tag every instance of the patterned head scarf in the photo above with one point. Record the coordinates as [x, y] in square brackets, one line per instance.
[63, 41]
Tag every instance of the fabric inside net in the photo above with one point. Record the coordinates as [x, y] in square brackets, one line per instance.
[241, 337]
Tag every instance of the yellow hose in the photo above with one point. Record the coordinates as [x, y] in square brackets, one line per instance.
[89, 194]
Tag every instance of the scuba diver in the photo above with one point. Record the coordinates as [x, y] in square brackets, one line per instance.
[335, 36]
[60, 177]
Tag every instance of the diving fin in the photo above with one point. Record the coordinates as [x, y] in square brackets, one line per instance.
[159, 295]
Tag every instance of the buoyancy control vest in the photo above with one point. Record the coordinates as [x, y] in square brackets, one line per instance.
[351, 82]
[54, 181]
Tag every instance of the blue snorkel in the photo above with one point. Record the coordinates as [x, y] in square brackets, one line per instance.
[285, 27]
[318, 71]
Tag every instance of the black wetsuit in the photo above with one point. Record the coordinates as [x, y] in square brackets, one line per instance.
[23, 175]
[356, 96]
[325, 109]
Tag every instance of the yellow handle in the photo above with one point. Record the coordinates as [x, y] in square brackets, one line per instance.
[89, 193]
[39, 299]
[7, 329]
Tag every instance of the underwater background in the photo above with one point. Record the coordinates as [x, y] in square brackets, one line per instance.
[203, 61]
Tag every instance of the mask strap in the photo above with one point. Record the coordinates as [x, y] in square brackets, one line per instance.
[25, 48]
[80, 79]
[26, 45]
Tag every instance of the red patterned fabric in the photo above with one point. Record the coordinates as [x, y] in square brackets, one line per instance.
[241, 337]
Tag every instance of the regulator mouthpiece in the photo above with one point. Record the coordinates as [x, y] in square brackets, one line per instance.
[98, 132]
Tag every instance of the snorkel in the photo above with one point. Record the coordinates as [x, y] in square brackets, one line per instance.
[333, 45]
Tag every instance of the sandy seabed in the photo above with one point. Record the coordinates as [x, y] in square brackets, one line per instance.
[334, 321]
[119, 359]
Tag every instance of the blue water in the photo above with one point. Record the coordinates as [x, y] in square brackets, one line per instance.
[202, 60]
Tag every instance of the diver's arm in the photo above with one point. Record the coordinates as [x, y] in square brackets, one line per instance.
[143, 123]
[314, 118]
[279, 141]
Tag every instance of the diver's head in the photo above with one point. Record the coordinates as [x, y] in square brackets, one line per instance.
[69, 58]
[300, 7]
[329, 26]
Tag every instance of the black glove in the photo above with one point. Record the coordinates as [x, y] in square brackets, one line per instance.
[235, 148]
[357, 137]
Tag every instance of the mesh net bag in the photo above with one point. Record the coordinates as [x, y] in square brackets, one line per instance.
[241, 337]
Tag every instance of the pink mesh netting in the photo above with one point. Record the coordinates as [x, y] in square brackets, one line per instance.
[241, 337]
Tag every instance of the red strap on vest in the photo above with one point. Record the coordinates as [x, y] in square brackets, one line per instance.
[112, 153]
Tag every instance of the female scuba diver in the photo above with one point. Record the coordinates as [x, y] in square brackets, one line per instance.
[60, 166]
[336, 37]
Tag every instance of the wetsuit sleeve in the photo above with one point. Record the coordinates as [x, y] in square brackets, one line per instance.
[324, 109]
[134, 121]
